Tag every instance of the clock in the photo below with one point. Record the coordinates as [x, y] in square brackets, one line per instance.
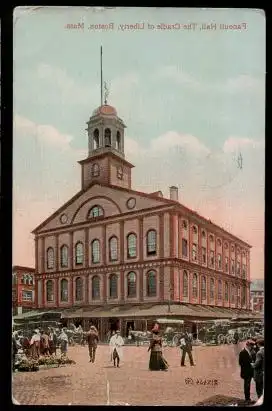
[131, 203]
[63, 218]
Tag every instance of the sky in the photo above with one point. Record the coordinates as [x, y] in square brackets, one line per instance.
[192, 101]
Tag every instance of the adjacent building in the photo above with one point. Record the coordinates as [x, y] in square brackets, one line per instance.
[113, 252]
[23, 289]
[257, 296]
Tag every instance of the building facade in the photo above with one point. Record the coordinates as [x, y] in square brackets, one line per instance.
[23, 289]
[112, 245]
[257, 296]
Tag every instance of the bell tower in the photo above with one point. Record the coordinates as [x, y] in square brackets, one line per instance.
[106, 162]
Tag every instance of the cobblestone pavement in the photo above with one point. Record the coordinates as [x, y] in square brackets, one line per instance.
[133, 384]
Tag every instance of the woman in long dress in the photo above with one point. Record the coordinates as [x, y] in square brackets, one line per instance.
[63, 343]
[156, 361]
[35, 345]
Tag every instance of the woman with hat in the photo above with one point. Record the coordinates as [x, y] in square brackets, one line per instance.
[156, 361]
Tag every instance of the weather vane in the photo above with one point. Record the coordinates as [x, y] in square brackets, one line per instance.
[106, 93]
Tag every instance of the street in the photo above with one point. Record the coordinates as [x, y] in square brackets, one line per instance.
[216, 373]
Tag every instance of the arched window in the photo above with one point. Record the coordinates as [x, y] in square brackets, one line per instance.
[118, 141]
[238, 295]
[203, 234]
[120, 173]
[79, 289]
[131, 284]
[95, 288]
[113, 248]
[96, 211]
[64, 256]
[131, 245]
[203, 288]
[185, 284]
[30, 280]
[219, 243]
[49, 290]
[64, 290]
[219, 293]
[79, 253]
[212, 288]
[151, 242]
[151, 284]
[113, 285]
[50, 257]
[232, 294]
[95, 246]
[184, 224]
[195, 287]
[95, 170]
[211, 239]
[107, 137]
[96, 139]
[226, 292]
[243, 296]
[194, 229]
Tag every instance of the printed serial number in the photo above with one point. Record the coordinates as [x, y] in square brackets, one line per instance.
[200, 381]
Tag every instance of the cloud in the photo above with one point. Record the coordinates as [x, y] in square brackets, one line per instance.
[241, 84]
[233, 144]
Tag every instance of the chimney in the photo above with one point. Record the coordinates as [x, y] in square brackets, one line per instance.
[174, 193]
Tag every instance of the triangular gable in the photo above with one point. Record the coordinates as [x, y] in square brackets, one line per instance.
[113, 199]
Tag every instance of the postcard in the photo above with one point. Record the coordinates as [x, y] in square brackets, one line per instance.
[138, 206]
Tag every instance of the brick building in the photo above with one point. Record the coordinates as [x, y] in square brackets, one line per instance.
[111, 248]
[23, 289]
[257, 296]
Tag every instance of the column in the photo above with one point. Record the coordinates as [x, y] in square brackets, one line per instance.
[43, 292]
[208, 289]
[71, 251]
[161, 282]
[87, 289]
[57, 252]
[36, 256]
[87, 248]
[122, 242]
[122, 286]
[43, 252]
[161, 234]
[199, 288]
[172, 235]
[172, 283]
[141, 239]
[141, 284]
[57, 291]
[71, 285]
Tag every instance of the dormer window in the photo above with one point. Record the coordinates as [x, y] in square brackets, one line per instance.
[118, 141]
[95, 170]
[95, 212]
[120, 173]
[96, 139]
[107, 137]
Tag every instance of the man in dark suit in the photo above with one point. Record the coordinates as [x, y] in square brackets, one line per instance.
[258, 367]
[245, 360]
[186, 347]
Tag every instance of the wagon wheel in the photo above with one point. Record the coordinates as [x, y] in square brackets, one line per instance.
[220, 339]
[176, 339]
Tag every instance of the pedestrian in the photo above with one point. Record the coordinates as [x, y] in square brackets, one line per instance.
[258, 367]
[92, 339]
[52, 341]
[116, 351]
[236, 337]
[63, 342]
[35, 345]
[245, 360]
[156, 360]
[44, 343]
[186, 345]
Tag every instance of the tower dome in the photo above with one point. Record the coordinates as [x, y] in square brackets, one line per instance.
[105, 109]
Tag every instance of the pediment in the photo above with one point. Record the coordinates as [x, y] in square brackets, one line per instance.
[113, 200]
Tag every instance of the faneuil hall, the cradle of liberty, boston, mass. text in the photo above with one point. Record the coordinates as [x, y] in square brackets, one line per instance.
[123, 258]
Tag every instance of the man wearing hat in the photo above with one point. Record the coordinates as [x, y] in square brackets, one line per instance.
[245, 360]
[186, 345]
[258, 367]
[92, 338]
[116, 351]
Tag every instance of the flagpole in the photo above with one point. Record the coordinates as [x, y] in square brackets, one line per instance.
[101, 78]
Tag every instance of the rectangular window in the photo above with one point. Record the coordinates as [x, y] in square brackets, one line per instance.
[27, 295]
[244, 271]
[203, 255]
[232, 267]
[184, 247]
[194, 252]
[219, 261]
[227, 264]
[14, 294]
[212, 258]
[238, 267]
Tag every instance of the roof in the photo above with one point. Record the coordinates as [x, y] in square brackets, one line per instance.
[159, 310]
[34, 314]
[147, 195]
[22, 268]
[105, 109]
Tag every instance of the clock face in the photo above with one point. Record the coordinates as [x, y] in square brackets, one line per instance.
[131, 203]
[63, 218]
